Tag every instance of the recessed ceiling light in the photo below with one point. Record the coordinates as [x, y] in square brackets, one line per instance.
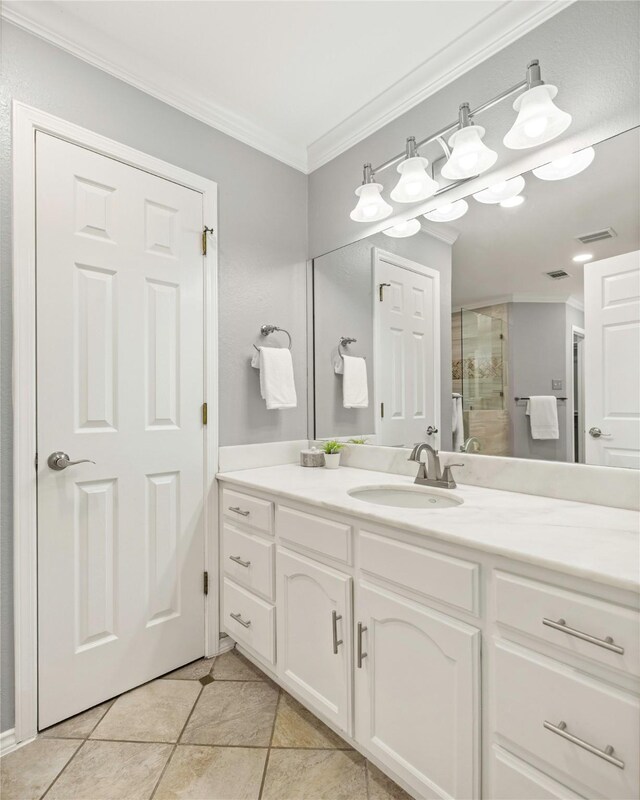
[582, 257]
[512, 202]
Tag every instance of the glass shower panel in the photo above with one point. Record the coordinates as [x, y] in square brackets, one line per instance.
[483, 362]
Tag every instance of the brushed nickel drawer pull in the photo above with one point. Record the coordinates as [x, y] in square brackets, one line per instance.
[238, 510]
[606, 754]
[238, 560]
[561, 625]
[361, 629]
[239, 619]
[334, 627]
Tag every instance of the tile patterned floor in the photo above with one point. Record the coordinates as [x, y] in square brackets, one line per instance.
[217, 729]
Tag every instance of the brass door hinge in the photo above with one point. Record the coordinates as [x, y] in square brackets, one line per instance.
[205, 583]
[381, 290]
[204, 239]
[205, 414]
[382, 410]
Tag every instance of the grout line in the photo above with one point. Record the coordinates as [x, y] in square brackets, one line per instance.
[53, 782]
[266, 761]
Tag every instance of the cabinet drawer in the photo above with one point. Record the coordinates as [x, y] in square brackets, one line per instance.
[248, 510]
[533, 608]
[315, 533]
[253, 620]
[531, 691]
[248, 560]
[515, 780]
[443, 578]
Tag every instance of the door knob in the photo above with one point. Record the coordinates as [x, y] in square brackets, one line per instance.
[60, 461]
[597, 433]
[431, 430]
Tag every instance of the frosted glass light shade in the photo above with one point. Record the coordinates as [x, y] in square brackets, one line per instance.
[414, 183]
[567, 166]
[501, 191]
[448, 212]
[403, 229]
[539, 120]
[470, 156]
[371, 207]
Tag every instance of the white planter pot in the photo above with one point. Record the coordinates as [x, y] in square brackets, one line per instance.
[332, 460]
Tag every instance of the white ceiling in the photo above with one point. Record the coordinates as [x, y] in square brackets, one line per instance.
[301, 80]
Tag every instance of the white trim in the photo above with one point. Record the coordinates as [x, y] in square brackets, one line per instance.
[447, 235]
[26, 121]
[7, 741]
[568, 300]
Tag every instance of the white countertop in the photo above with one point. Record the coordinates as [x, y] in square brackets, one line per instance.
[586, 540]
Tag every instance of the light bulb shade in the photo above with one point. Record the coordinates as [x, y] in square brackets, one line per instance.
[501, 191]
[371, 206]
[403, 229]
[469, 156]
[539, 120]
[448, 212]
[414, 183]
[567, 166]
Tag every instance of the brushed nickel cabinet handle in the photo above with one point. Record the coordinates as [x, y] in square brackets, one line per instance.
[606, 754]
[607, 643]
[238, 560]
[361, 655]
[334, 628]
[238, 510]
[238, 618]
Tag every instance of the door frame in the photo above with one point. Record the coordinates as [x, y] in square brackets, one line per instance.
[26, 122]
[378, 255]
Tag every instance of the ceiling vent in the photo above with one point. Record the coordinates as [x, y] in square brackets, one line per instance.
[597, 236]
[557, 274]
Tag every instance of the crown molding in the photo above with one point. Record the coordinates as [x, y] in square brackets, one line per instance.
[496, 31]
[522, 297]
[447, 235]
[39, 23]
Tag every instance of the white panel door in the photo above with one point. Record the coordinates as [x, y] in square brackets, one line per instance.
[417, 690]
[314, 634]
[120, 381]
[407, 363]
[612, 356]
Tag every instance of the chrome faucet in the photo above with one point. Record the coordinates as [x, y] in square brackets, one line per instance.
[471, 445]
[431, 472]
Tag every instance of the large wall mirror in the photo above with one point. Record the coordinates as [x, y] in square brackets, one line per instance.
[485, 306]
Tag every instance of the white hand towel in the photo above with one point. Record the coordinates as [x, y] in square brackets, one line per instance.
[457, 422]
[355, 393]
[543, 417]
[277, 385]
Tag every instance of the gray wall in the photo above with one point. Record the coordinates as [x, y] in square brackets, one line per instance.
[262, 247]
[590, 49]
[343, 307]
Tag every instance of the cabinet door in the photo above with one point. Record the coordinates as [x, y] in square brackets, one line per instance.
[314, 635]
[417, 693]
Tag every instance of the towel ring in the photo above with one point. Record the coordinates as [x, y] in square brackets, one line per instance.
[266, 330]
[344, 342]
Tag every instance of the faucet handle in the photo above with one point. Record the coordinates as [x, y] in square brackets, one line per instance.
[448, 478]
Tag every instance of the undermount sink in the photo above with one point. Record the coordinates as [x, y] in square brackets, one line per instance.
[406, 496]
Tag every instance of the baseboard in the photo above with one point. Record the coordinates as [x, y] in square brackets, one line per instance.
[8, 742]
[225, 644]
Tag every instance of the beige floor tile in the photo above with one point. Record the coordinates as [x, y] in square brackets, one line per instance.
[297, 727]
[80, 726]
[232, 666]
[26, 773]
[383, 788]
[215, 773]
[155, 712]
[233, 713]
[315, 775]
[192, 672]
[112, 771]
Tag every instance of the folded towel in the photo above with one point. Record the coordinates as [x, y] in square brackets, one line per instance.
[457, 422]
[277, 385]
[543, 416]
[355, 393]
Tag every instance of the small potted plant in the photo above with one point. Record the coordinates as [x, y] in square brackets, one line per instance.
[331, 452]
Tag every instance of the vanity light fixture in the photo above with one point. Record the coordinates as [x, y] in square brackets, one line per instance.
[566, 166]
[403, 229]
[504, 190]
[512, 202]
[371, 207]
[469, 156]
[539, 120]
[581, 258]
[448, 212]
[414, 184]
